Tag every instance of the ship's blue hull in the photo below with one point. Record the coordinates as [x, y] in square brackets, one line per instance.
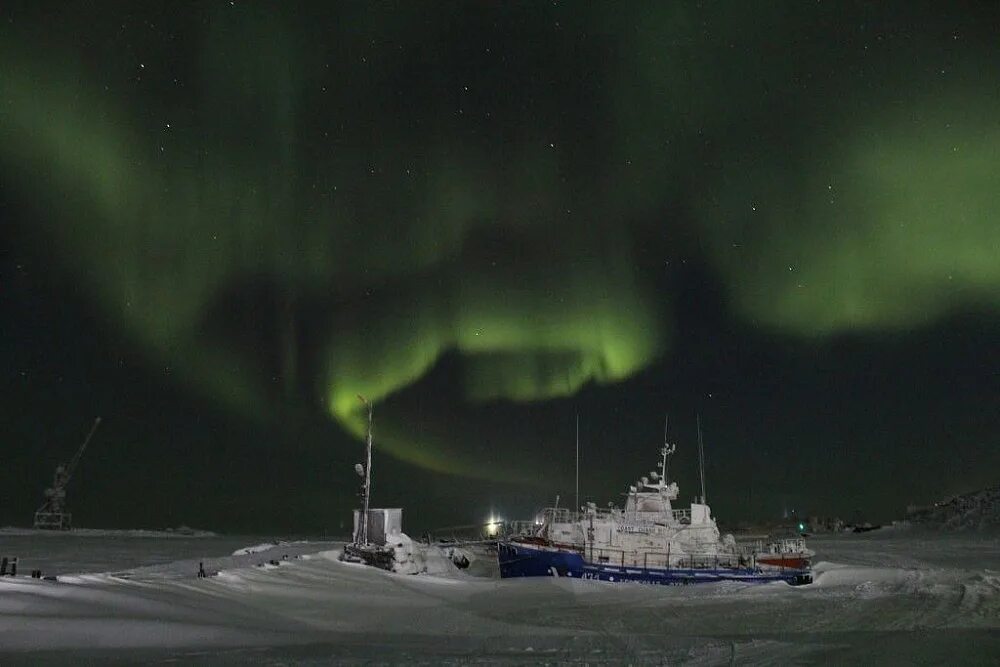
[520, 560]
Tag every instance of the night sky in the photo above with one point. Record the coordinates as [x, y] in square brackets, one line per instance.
[222, 221]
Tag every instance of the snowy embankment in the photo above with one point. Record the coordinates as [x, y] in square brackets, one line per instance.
[88, 550]
[891, 598]
[979, 510]
[179, 532]
[263, 546]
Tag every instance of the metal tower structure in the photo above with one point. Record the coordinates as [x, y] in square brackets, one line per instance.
[52, 515]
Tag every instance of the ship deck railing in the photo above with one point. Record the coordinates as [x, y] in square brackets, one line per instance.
[666, 559]
[780, 546]
[565, 515]
[475, 533]
[522, 527]
[558, 515]
[601, 513]
[682, 516]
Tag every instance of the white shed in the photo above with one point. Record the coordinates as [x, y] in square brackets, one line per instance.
[381, 522]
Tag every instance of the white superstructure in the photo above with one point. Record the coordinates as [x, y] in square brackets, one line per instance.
[647, 531]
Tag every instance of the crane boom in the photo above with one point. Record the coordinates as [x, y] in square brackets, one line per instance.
[79, 453]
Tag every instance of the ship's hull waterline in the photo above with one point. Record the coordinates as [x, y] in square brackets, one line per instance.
[520, 560]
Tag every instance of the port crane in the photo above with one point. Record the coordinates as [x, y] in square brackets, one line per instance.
[52, 515]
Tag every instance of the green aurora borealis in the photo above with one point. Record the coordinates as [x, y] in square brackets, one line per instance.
[513, 187]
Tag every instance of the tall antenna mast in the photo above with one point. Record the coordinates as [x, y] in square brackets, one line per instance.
[577, 508]
[367, 488]
[701, 460]
[663, 466]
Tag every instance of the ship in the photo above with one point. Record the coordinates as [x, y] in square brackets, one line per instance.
[648, 541]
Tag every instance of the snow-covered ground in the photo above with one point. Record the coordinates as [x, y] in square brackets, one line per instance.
[90, 550]
[896, 597]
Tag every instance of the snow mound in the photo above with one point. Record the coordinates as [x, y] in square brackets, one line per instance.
[256, 548]
[409, 557]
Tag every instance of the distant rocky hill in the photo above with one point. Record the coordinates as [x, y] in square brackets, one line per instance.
[978, 510]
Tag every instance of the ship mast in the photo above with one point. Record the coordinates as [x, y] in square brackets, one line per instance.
[701, 461]
[577, 507]
[666, 451]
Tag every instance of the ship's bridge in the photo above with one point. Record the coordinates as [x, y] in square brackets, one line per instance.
[651, 496]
